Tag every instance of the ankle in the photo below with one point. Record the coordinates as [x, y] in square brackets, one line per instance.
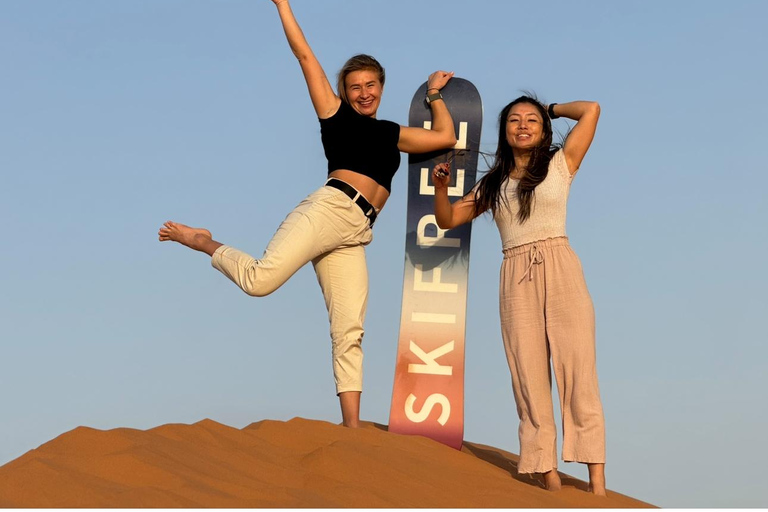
[552, 480]
[597, 479]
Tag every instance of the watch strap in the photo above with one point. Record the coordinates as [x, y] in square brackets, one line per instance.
[433, 97]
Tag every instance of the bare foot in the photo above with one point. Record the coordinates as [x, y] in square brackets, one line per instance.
[596, 490]
[552, 480]
[597, 479]
[198, 239]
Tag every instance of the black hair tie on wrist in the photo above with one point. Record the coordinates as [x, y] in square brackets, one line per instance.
[551, 111]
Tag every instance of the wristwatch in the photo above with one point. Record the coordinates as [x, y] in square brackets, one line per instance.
[433, 97]
[551, 111]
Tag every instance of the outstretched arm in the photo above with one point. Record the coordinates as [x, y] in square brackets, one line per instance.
[442, 135]
[586, 114]
[449, 215]
[321, 93]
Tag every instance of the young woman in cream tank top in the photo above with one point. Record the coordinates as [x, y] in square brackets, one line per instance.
[546, 312]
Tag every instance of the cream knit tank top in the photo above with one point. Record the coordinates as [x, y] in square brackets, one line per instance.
[548, 210]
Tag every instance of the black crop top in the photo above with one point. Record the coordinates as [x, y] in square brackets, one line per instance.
[361, 144]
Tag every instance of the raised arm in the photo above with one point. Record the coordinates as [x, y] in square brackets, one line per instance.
[321, 93]
[586, 114]
[449, 215]
[442, 135]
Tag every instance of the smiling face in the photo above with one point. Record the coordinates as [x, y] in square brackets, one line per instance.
[525, 127]
[363, 90]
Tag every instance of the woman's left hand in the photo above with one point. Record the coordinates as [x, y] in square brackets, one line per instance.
[438, 79]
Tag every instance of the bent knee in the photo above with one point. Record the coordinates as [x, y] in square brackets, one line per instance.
[259, 289]
[257, 282]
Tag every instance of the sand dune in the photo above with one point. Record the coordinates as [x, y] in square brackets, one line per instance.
[299, 463]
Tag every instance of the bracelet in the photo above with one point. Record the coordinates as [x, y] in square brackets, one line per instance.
[551, 111]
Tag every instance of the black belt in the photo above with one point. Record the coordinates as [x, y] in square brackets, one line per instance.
[367, 208]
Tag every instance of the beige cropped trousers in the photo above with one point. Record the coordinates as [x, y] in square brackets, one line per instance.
[331, 231]
[547, 316]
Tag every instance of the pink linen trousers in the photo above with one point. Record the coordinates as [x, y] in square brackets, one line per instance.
[547, 313]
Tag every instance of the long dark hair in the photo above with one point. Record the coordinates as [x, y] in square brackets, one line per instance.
[488, 194]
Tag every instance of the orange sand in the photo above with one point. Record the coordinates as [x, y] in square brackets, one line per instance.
[299, 463]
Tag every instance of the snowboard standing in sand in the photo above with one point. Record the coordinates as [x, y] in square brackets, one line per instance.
[428, 394]
[332, 226]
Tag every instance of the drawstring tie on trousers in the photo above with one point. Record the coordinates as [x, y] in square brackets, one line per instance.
[535, 257]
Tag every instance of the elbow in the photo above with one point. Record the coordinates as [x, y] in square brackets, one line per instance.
[445, 136]
[594, 108]
[449, 140]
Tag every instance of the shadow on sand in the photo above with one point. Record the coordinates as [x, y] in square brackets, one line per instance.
[508, 462]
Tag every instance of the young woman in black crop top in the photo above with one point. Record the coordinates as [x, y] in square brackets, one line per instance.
[332, 225]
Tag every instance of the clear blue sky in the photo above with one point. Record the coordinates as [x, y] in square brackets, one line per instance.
[116, 116]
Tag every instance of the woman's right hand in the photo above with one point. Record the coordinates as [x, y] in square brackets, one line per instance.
[450, 215]
[278, 2]
[441, 175]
